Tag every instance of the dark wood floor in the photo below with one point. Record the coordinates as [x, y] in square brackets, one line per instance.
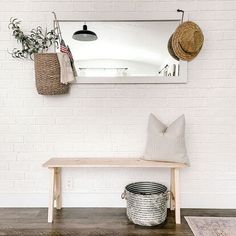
[91, 222]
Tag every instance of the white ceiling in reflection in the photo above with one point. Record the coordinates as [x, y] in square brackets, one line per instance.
[142, 41]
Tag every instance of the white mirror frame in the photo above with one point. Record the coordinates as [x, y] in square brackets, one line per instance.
[181, 79]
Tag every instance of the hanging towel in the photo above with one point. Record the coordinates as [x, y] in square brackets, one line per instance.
[67, 74]
[66, 49]
[72, 62]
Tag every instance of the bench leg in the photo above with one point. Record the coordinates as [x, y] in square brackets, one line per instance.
[51, 195]
[58, 189]
[177, 196]
[172, 189]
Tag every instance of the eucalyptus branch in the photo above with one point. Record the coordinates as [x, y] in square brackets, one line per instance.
[38, 40]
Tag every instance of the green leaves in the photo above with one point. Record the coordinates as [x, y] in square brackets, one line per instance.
[36, 41]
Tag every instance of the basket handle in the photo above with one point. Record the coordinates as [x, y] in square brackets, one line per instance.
[171, 195]
[123, 195]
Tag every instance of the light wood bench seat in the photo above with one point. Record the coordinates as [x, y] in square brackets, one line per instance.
[55, 165]
[108, 162]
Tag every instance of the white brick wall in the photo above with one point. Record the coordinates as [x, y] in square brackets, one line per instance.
[111, 120]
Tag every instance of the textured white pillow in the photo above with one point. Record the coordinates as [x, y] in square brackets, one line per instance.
[166, 143]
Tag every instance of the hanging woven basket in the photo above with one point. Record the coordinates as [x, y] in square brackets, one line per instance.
[47, 74]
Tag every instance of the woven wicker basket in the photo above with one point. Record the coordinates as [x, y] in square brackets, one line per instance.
[47, 74]
[146, 203]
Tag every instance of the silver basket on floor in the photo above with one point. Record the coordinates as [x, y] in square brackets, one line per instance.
[146, 203]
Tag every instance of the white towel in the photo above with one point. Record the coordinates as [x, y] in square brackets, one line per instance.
[67, 75]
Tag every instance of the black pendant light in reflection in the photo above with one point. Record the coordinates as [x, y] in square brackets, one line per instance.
[84, 34]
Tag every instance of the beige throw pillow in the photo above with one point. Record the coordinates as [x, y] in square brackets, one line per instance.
[166, 143]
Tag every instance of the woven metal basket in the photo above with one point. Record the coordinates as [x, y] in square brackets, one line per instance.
[47, 74]
[146, 203]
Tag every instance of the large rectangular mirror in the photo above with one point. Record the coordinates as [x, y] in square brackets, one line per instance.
[124, 51]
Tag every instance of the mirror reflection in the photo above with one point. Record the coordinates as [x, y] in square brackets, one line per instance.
[121, 48]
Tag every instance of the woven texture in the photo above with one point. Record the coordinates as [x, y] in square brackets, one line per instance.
[146, 203]
[47, 74]
[170, 49]
[187, 41]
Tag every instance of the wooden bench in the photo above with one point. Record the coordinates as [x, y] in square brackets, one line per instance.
[55, 165]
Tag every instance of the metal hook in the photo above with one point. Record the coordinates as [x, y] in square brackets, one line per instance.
[182, 19]
[55, 16]
[57, 25]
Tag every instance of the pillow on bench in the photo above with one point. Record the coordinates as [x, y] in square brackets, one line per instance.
[166, 143]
